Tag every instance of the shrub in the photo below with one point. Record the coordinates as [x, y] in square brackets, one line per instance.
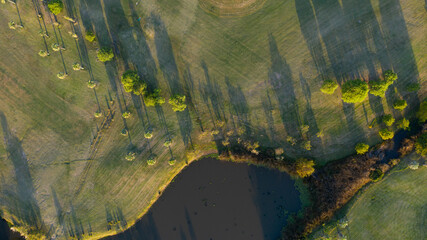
[421, 144]
[402, 124]
[126, 114]
[105, 54]
[55, 47]
[132, 83]
[167, 143]
[77, 66]
[376, 175]
[124, 132]
[362, 148]
[388, 120]
[172, 161]
[386, 134]
[98, 114]
[178, 103]
[378, 87]
[91, 84]
[354, 91]
[390, 76]
[422, 112]
[328, 87]
[43, 53]
[154, 98]
[148, 134]
[413, 87]
[61, 75]
[130, 156]
[151, 161]
[304, 167]
[12, 25]
[90, 36]
[306, 145]
[400, 104]
[55, 6]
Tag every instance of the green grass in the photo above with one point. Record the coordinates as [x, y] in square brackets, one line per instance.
[393, 208]
[251, 61]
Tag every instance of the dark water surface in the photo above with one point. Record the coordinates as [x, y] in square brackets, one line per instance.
[6, 233]
[218, 200]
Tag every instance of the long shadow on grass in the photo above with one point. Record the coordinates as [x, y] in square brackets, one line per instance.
[238, 103]
[27, 208]
[280, 78]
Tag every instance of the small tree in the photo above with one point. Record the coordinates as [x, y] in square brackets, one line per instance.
[362, 148]
[422, 112]
[55, 6]
[105, 54]
[421, 144]
[167, 143]
[77, 66]
[304, 129]
[291, 140]
[126, 115]
[378, 87]
[178, 103]
[61, 75]
[388, 120]
[12, 25]
[354, 91]
[151, 161]
[90, 36]
[172, 161]
[320, 134]
[400, 105]
[402, 124]
[55, 47]
[91, 84]
[154, 98]
[98, 114]
[306, 145]
[130, 156]
[328, 87]
[43, 53]
[304, 167]
[386, 134]
[132, 83]
[390, 76]
[148, 134]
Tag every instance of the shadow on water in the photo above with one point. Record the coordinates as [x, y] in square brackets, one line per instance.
[212, 199]
[27, 208]
[280, 78]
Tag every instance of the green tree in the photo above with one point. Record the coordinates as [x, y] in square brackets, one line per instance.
[306, 145]
[402, 124]
[328, 87]
[388, 120]
[421, 144]
[55, 6]
[105, 54]
[378, 87]
[132, 83]
[90, 36]
[354, 91]
[422, 112]
[154, 98]
[386, 134]
[304, 167]
[361, 148]
[400, 104]
[178, 103]
[390, 76]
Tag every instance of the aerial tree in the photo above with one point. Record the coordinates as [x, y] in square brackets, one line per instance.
[421, 144]
[400, 104]
[361, 148]
[306, 145]
[132, 82]
[354, 91]
[304, 167]
[105, 54]
[130, 156]
[55, 6]
[386, 134]
[90, 36]
[328, 87]
[403, 124]
[390, 76]
[178, 103]
[154, 98]
[388, 120]
[422, 112]
[378, 87]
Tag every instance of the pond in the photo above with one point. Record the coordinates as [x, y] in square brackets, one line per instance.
[212, 199]
[6, 233]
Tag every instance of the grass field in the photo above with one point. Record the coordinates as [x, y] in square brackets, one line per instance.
[394, 208]
[260, 71]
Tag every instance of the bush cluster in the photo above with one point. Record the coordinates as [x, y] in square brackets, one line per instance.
[132, 83]
[354, 91]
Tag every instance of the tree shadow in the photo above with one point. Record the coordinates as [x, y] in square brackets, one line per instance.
[210, 93]
[27, 208]
[238, 103]
[191, 96]
[268, 112]
[144, 229]
[280, 78]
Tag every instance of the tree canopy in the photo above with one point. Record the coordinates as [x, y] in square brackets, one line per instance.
[55, 6]
[390, 76]
[154, 98]
[400, 104]
[304, 167]
[388, 120]
[132, 83]
[178, 103]
[354, 91]
[422, 112]
[402, 124]
[105, 54]
[386, 134]
[90, 36]
[361, 148]
[328, 87]
[421, 144]
[378, 87]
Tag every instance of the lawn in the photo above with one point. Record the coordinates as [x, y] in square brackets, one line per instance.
[259, 69]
